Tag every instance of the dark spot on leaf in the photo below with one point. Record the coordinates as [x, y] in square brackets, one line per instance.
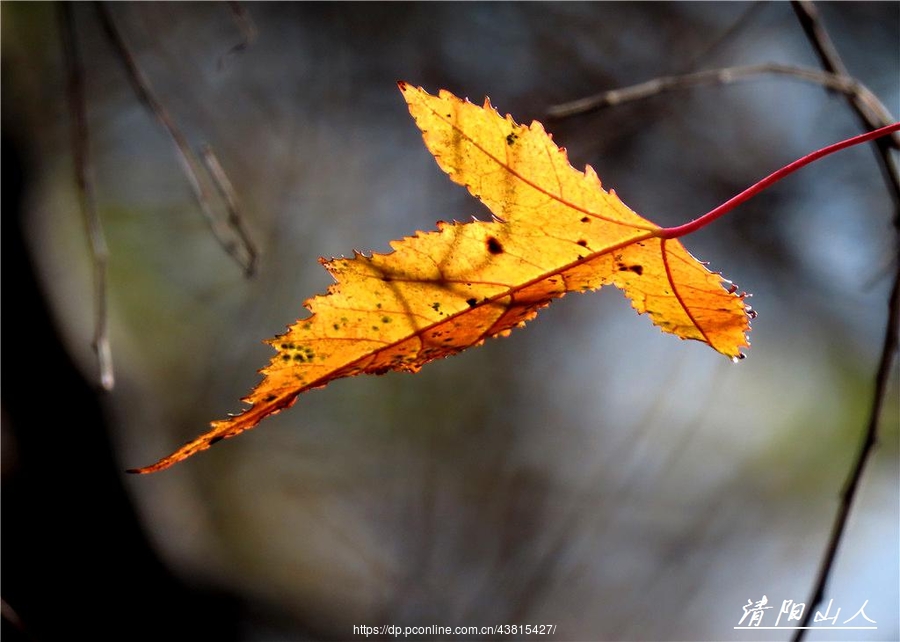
[378, 305]
[472, 302]
[493, 246]
[511, 138]
[585, 219]
[582, 243]
[436, 306]
[385, 278]
[385, 319]
[335, 326]
[216, 439]
[269, 398]
[637, 269]
[285, 357]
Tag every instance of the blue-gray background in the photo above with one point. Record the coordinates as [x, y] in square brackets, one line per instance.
[588, 471]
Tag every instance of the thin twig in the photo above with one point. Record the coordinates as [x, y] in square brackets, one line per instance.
[226, 189]
[870, 439]
[808, 15]
[815, 31]
[233, 238]
[84, 183]
[247, 27]
[726, 75]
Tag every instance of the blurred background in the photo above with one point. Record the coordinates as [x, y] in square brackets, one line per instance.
[586, 471]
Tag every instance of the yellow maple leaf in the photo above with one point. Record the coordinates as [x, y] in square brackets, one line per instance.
[437, 293]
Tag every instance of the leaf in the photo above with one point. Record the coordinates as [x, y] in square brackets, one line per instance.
[438, 293]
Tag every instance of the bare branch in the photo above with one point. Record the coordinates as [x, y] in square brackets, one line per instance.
[870, 439]
[235, 242]
[85, 188]
[226, 189]
[808, 15]
[815, 31]
[724, 76]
